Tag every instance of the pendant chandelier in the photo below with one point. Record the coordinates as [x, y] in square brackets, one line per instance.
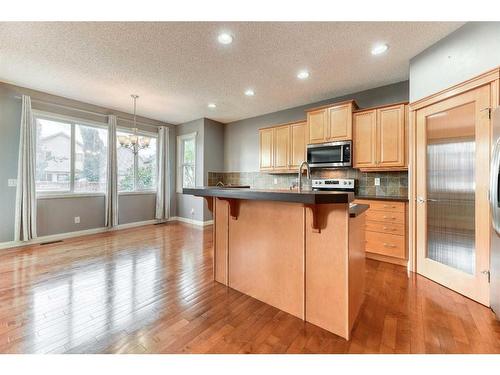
[133, 142]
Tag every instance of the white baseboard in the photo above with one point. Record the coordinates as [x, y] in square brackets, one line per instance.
[63, 236]
[192, 221]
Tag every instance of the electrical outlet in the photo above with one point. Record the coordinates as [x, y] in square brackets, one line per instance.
[192, 211]
[275, 181]
[12, 182]
[377, 181]
[77, 219]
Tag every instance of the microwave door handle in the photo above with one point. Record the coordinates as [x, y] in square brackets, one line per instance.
[342, 153]
[495, 170]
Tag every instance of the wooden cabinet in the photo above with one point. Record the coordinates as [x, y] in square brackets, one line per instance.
[297, 144]
[282, 147]
[330, 123]
[316, 121]
[266, 149]
[379, 138]
[386, 231]
[365, 135]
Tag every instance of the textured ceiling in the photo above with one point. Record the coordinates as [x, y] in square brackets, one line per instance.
[179, 67]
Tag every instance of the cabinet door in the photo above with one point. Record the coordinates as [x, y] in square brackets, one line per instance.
[281, 147]
[365, 135]
[391, 136]
[317, 122]
[340, 123]
[297, 144]
[266, 149]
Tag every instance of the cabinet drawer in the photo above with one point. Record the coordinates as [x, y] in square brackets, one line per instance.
[387, 206]
[386, 244]
[390, 228]
[385, 216]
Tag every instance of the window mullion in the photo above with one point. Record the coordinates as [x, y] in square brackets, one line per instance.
[136, 171]
[72, 160]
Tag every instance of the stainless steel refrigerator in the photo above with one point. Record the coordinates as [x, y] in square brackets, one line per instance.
[495, 213]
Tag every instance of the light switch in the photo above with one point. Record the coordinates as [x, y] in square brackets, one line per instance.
[77, 219]
[377, 181]
[12, 182]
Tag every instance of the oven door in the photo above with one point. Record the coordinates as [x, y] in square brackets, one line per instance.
[329, 155]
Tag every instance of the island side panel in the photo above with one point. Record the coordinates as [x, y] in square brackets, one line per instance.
[266, 253]
[357, 258]
[221, 221]
[327, 268]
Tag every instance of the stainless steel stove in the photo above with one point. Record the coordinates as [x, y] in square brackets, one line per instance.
[336, 184]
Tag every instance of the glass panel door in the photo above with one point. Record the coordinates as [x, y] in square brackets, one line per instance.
[451, 149]
[452, 221]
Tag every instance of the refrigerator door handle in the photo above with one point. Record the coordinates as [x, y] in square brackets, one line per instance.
[495, 170]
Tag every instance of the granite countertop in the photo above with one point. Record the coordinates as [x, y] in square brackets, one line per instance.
[382, 198]
[357, 209]
[306, 197]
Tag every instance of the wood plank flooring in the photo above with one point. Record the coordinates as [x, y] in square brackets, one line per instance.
[151, 290]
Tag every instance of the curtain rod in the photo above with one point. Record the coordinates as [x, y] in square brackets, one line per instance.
[89, 112]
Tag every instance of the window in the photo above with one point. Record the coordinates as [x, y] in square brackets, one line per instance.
[186, 161]
[71, 156]
[137, 172]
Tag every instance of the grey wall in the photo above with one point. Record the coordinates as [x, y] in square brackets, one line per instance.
[241, 138]
[467, 52]
[56, 215]
[213, 154]
[209, 158]
[186, 203]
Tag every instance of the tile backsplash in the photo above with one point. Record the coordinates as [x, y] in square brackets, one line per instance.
[391, 183]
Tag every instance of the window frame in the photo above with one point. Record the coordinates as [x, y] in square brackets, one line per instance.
[143, 133]
[72, 121]
[180, 159]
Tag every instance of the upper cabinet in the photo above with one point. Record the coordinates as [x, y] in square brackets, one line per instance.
[379, 138]
[266, 149]
[282, 147]
[330, 123]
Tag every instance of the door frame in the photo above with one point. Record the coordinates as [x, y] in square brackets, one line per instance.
[491, 78]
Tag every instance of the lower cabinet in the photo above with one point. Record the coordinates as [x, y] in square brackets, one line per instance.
[386, 231]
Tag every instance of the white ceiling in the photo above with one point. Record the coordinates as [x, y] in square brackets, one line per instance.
[177, 68]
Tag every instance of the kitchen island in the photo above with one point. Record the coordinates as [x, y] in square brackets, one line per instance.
[300, 252]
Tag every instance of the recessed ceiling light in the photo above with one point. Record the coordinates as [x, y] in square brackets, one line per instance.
[225, 38]
[211, 105]
[249, 92]
[303, 74]
[379, 49]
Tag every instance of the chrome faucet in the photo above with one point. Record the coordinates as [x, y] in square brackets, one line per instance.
[300, 173]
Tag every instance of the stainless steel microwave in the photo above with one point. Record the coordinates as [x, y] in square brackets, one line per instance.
[330, 155]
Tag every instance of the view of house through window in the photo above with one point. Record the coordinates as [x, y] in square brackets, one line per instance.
[136, 172]
[70, 156]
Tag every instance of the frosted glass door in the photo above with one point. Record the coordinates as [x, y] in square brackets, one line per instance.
[451, 147]
[452, 221]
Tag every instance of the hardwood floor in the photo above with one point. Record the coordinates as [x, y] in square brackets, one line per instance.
[151, 290]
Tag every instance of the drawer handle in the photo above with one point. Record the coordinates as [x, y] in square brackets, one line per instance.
[391, 217]
[388, 206]
[391, 229]
[389, 245]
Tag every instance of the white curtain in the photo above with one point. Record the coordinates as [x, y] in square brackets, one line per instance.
[25, 218]
[111, 219]
[162, 189]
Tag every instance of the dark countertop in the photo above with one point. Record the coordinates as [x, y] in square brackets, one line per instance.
[306, 197]
[382, 198]
[357, 209]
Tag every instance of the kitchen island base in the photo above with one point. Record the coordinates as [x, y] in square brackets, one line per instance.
[307, 260]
